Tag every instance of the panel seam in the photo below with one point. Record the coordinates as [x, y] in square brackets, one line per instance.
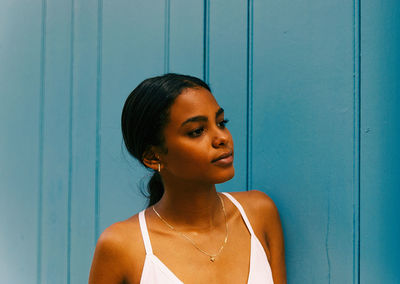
[41, 142]
[98, 118]
[70, 148]
[249, 81]
[167, 30]
[206, 42]
[357, 140]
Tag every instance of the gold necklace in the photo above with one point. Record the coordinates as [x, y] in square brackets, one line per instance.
[211, 256]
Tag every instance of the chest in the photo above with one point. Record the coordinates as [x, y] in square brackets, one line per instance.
[189, 264]
[183, 261]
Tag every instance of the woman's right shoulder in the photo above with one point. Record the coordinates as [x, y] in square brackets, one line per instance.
[119, 253]
[121, 233]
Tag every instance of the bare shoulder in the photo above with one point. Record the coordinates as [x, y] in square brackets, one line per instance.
[256, 202]
[264, 218]
[119, 253]
[117, 237]
[260, 209]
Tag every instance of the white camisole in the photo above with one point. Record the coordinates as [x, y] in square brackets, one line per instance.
[155, 272]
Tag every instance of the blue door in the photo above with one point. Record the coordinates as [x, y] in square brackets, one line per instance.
[311, 89]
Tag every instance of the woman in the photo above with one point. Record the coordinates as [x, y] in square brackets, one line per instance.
[189, 233]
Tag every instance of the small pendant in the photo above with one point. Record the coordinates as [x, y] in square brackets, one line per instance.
[212, 259]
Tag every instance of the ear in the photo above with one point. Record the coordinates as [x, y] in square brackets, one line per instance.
[151, 159]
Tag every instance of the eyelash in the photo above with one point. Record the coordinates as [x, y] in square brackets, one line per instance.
[199, 131]
[223, 123]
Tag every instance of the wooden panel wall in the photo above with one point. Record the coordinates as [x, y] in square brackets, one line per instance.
[303, 125]
[21, 93]
[380, 142]
[314, 126]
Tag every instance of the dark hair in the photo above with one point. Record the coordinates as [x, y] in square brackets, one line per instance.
[145, 115]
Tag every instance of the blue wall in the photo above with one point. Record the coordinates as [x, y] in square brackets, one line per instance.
[380, 142]
[311, 88]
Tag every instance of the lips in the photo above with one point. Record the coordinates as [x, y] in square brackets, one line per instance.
[225, 158]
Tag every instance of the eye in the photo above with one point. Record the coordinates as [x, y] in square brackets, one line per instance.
[197, 132]
[222, 124]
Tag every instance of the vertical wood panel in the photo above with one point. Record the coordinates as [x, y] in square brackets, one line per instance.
[83, 139]
[186, 41]
[356, 142]
[206, 41]
[67, 68]
[41, 138]
[249, 89]
[227, 73]
[167, 30]
[132, 50]
[380, 140]
[56, 143]
[99, 45]
[303, 129]
[19, 139]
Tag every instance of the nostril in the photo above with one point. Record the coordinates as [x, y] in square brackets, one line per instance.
[220, 141]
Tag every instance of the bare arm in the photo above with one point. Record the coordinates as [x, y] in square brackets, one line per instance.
[119, 254]
[275, 242]
[106, 265]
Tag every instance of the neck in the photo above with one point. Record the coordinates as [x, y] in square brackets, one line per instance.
[191, 206]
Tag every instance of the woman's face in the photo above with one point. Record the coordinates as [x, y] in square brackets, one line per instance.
[199, 146]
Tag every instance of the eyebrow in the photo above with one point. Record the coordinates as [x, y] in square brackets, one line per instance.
[202, 117]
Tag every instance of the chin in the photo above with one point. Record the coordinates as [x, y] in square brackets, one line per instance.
[228, 175]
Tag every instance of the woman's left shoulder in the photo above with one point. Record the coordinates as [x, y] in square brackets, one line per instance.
[259, 208]
[264, 219]
[255, 201]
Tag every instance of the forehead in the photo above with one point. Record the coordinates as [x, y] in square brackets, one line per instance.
[193, 102]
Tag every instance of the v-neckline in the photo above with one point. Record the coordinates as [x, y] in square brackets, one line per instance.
[175, 278]
[253, 238]
[164, 268]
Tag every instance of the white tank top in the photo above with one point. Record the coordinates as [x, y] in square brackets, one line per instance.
[155, 272]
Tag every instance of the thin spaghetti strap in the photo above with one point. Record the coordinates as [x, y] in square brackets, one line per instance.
[241, 210]
[145, 233]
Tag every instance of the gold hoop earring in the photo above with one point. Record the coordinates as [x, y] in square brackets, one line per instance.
[159, 167]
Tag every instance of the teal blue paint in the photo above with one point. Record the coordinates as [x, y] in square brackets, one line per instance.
[380, 140]
[206, 35]
[328, 224]
[356, 140]
[70, 142]
[187, 37]
[20, 177]
[83, 139]
[228, 78]
[250, 20]
[303, 129]
[98, 118]
[41, 137]
[56, 143]
[167, 26]
[311, 121]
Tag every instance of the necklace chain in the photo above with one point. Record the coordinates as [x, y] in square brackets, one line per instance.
[212, 256]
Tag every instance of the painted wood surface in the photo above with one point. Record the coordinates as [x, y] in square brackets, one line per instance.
[20, 142]
[310, 88]
[380, 141]
[303, 124]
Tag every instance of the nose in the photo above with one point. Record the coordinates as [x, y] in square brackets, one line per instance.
[221, 138]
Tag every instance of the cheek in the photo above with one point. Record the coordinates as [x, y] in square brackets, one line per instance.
[188, 157]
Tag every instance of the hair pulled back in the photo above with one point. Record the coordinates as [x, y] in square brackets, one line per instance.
[145, 115]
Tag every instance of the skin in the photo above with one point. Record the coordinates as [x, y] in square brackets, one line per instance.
[194, 137]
